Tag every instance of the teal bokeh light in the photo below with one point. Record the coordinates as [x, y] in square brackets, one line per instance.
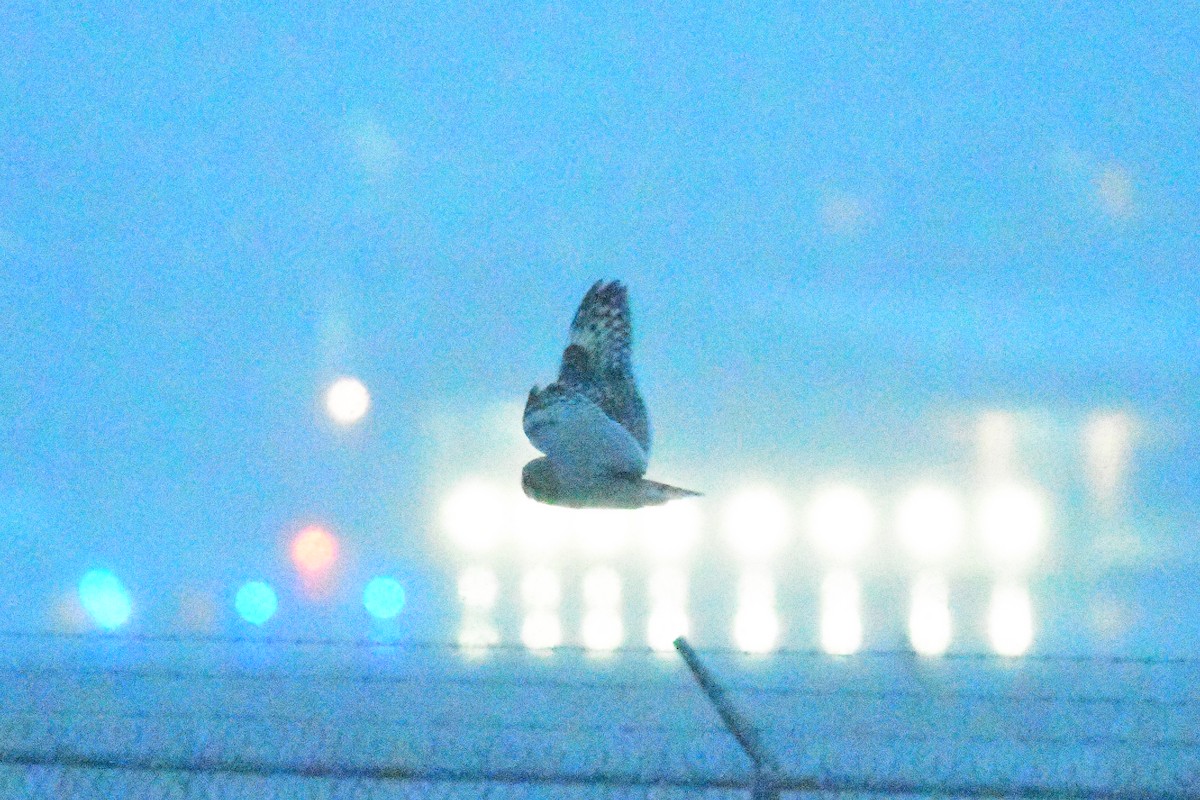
[384, 597]
[105, 599]
[256, 602]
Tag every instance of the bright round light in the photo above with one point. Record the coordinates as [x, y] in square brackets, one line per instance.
[755, 521]
[478, 588]
[670, 531]
[601, 532]
[841, 521]
[929, 615]
[255, 602]
[384, 597]
[664, 627]
[477, 634]
[1010, 620]
[475, 515]
[314, 550]
[541, 631]
[602, 630]
[841, 617]
[756, 624]
[540, 589]
[668, 587]
[1012, 522]
[347, 400]
[930, 522]
[602, 589]
[105, 599]
[540, 530]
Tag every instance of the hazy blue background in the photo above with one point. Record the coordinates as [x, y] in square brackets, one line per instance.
[836, 222]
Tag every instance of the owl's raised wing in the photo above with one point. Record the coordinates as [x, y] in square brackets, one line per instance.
[597, 362]
[579, 438]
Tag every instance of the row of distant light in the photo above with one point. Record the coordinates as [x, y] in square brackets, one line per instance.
[930, 521]
[756, 626]
[109, 605]
[314, 552]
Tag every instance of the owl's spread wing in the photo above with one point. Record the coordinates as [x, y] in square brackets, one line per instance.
[579, 438]
[597, 362]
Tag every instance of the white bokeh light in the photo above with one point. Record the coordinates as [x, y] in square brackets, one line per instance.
[755, 522]
[541, 589]
[1108, 444]
[347, 400]
[669, 532]
[840, 521]
[1010, 620]
[478, 588]
[541, 630]
[475, 515]
[1012, 524]
[667, 589]
[930, 522]
[601, 532]
[540, 530]
[602, 630]
[602, 588]
[756, 625]
[477, 634]
[929, 627]
[841, 616]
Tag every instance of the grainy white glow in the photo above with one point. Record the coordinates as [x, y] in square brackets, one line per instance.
[665, 626]
[541, 530]
[1010, 620]
[478, 588]
[1012, 523]
[756, 625]
[755, 521]
[602, 630]
[929, 615]
[602, 589]
[474, 514]
[541, 589]
[668, 587]
[669, 532]
[477, 633]
[930, 522]
[840, 521]
[841, 616]
[997, 434]
[601, 532]
[1108, 444]
[541, 630]
[347, 400]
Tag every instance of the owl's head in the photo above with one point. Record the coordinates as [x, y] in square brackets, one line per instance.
[539, 482]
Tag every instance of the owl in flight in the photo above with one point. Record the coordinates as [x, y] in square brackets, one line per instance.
[591, 423]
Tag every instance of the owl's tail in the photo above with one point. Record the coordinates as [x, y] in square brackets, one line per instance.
[656, 493]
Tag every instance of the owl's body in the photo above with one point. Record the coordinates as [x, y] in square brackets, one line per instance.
[591, 423]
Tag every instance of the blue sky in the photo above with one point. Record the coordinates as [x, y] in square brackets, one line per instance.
[831, 219]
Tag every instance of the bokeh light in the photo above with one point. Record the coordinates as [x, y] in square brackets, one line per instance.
[478, 588]
[541, 589]
[384, 597]
[475, 514]
[1012, 523]
[256, 602]
[929, 615]
[1010, 620]
[841, 615]
[930, 522]
[668, 532]
[105, 599]
[603, 630]
[755, 521]
[347, 400]
[314, 550]
[541, 630]
[840, 521]
[756, 625]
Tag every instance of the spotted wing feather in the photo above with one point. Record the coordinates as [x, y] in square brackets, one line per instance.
[597, 363]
